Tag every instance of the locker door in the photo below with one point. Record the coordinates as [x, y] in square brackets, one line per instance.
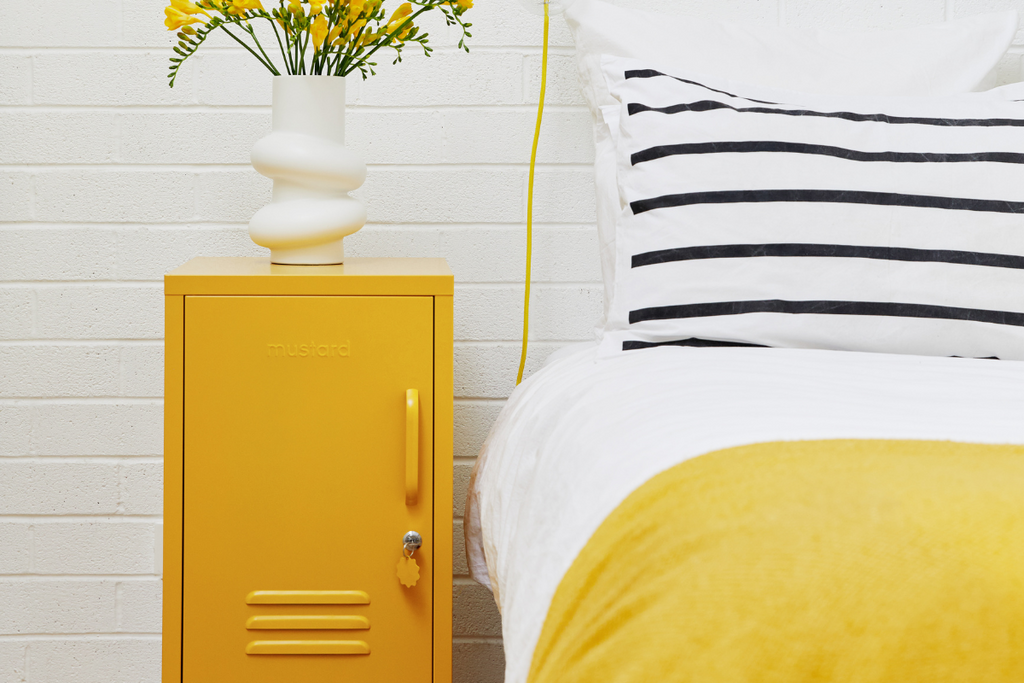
[295, 489]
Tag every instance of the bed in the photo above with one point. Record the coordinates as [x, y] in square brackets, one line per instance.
[797, 451]
[584, 433]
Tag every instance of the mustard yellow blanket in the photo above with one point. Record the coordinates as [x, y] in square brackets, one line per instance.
[840, 561]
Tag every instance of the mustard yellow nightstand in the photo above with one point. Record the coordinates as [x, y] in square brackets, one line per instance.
[308, 427]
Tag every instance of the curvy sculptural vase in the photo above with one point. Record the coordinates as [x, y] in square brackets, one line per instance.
[313, 172]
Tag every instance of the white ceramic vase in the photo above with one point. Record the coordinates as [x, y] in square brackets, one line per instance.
[313, 172]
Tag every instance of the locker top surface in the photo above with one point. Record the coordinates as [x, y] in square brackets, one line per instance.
[248, 276]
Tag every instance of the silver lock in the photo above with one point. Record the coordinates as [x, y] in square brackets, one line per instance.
[411, 542]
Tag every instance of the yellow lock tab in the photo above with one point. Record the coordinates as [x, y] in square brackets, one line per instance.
[408, 571]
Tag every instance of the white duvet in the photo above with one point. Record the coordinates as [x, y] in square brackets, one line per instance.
[582, 433]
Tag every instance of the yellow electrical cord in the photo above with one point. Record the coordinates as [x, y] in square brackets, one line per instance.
[529, 195]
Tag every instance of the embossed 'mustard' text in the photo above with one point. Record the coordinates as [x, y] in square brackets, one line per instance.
[310, 350]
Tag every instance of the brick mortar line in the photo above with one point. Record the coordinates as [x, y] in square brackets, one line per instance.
[473, 640]
[491, 343]
[482, 224]
[119, 635]
[464, 581]
[24, 398]
[109, 343]
[77, 578]
[103, 284]
[112, 166]
[165, 50]
[84, 400]
[200, 225]
[83, 459]
[458, 343]
[525, 108]
[79, 637]
[80, 519]
[531, 50]
[548, 284]
[481, 398]
[154, 284]
[112, 343]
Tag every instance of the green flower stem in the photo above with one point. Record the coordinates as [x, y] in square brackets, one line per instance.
[333, 68]
[346, 64]
[325, 51]
[390, 37]
[251, 51]
[305, 44]
[247, 27]
[284, 55]
[321, 57]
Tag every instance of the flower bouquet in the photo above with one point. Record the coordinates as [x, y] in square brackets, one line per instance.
[314, 37]
[305, 154]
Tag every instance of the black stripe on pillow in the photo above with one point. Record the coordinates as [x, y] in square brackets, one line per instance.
[651, 73]
[711, 105]
[730, 147]
[826, 196]
[716, 251]
[692, 341]
[867, 308]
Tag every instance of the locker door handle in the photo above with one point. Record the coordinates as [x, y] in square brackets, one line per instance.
[412, 446]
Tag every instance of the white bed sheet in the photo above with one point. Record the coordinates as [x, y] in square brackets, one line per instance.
[582, 433]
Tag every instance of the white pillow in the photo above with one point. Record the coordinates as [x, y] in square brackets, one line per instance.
[774, 218]
[929, 60]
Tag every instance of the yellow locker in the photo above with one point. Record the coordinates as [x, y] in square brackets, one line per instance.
[308, 422]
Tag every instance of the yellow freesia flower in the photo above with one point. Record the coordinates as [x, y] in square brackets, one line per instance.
[186, 7]
[464, 4]
[404, 10]
[353, 30]
[367, 37]
[315, 6]
[354, 8]
[294, 7]
[319, 31]
[238, 7]
[335, 32]
[176, 19]
[397, 19]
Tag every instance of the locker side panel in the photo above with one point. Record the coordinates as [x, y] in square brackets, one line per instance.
[174, 358]
[443, 485]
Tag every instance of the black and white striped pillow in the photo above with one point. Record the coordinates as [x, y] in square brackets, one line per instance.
[775, 218]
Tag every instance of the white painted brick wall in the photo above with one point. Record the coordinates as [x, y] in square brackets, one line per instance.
[108, 179]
